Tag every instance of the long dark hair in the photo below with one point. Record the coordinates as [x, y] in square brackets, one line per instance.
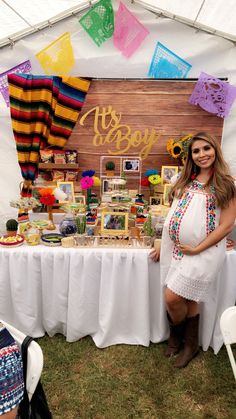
[220, 177]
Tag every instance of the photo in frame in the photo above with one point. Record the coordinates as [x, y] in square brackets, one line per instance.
[80, 199]
[131, 165]
[155, 200]
[114, 223]
[68, 188]
[167, 189]
[167, 172]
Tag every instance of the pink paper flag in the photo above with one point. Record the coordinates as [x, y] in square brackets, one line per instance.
[129, 32]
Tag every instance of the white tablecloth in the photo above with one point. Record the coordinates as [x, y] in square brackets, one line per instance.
[114, 295]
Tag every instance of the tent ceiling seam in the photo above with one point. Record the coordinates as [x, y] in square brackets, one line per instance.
[18, 14]
[199, 11]
[196, 25]
[48, 23]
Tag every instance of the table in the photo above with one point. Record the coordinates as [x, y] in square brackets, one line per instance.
[112, 294]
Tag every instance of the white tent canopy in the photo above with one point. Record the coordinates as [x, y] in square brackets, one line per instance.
[23, 17]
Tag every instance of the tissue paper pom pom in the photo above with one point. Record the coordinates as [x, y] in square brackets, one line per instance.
[59, 194]
[150, 172]
[145, 181]
[154, 179]
[89, 173]
[96, 181]
[86, 182]
[47, 199]
[45, 191]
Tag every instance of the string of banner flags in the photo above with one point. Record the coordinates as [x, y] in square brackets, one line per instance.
[101, 23]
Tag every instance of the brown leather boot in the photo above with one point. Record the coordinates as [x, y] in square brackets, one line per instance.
[176, 337]
[191, 347]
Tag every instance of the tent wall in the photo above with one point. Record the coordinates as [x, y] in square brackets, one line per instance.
[205, 52]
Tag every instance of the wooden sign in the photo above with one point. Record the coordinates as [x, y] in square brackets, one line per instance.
[136, 118]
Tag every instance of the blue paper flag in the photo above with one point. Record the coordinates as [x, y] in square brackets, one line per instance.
[167, 65]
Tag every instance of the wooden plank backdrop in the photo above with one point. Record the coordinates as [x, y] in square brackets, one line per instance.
[136, 118]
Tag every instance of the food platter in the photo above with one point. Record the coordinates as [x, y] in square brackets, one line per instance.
[51, 239]
[11, 241]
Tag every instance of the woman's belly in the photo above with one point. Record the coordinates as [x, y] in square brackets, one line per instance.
[192, 220]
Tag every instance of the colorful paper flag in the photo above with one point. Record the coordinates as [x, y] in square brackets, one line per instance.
[58, 57]
[99, 21]
[167, 65]
[24, 68]
[213, 95]
[129, 32]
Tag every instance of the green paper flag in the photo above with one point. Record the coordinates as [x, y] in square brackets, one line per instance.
[99, 21]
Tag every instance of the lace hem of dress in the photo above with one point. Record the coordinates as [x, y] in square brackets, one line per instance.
[191, 289]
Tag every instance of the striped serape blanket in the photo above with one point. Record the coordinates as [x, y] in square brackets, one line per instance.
[44, 111]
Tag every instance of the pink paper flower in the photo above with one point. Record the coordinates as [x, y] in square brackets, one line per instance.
[86, 182]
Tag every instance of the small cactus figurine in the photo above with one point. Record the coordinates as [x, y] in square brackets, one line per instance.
[11, 227]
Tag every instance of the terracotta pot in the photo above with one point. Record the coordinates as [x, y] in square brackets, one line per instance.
[110, 173]
[11, 233]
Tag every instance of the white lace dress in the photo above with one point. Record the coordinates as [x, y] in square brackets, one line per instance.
[190, 219]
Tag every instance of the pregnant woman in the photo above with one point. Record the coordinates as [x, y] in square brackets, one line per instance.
[193, 242]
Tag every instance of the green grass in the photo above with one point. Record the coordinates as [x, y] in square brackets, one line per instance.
[124, 381]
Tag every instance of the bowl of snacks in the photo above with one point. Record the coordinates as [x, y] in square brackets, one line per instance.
[11, 241]
[51, 239]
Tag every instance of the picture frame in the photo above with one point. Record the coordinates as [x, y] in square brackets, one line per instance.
[114, 223]
[133, 193]
[80, 199]
[131, 165]
[167, 189]
[106, 187]
[68, 188]
[167, 172]
[155, 200]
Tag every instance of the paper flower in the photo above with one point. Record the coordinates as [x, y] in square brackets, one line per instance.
[96, 181]
[150, 178]
[59, 194]
[145, 181]
[150, 172]
[89, 173]
[46, 196]
[86, 182]
[154, 179]
[47, 199]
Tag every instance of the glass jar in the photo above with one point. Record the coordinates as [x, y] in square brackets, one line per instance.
[67, 226]
[32, 236]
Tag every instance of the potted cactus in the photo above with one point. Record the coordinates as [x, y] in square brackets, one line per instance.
[110, 168]
[11, 227]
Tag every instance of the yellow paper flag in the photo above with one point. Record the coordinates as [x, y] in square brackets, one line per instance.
[58, 57]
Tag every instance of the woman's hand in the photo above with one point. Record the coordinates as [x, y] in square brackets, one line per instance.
[186, 249]
[154, 255]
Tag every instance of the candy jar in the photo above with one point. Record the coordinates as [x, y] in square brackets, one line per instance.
[67, 226]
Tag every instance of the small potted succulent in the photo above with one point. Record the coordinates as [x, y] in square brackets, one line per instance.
[11, 227]
[110, 168]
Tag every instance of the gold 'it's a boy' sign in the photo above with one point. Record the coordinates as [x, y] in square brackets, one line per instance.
[119, 138]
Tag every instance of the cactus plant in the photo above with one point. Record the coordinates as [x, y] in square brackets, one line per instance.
[81, 224]
[11, 227]
[110, 165]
